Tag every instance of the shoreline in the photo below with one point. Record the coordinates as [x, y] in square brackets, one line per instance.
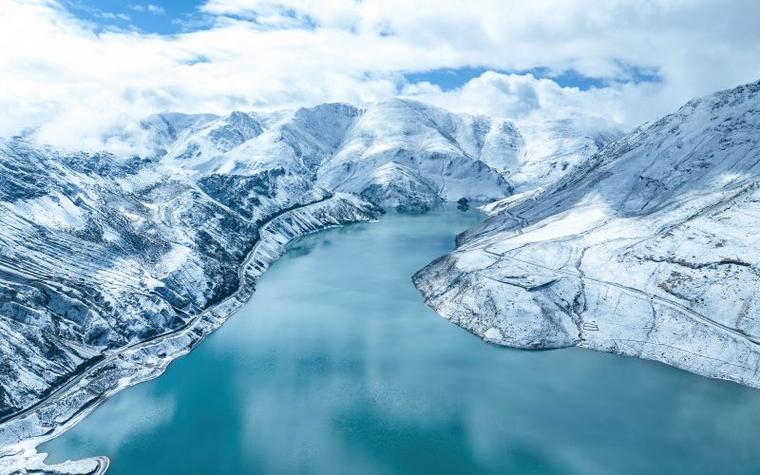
[679, 330]
[142, 361]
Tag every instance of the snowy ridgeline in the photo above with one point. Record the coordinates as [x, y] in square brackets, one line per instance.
[99, 253]
[649, 249]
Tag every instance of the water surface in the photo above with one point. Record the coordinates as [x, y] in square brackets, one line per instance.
[336, 366]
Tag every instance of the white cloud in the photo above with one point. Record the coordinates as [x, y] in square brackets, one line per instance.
[521, 96]
[156, 10]
[329, 13]
[150, 8]
[57, 73]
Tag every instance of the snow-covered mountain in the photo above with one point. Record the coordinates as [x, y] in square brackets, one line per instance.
[112, 266]
[100, 253]
[397, 154]
[425, 149]
[649, 249]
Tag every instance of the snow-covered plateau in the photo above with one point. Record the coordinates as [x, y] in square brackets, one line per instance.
[649, 248]
[113, 265]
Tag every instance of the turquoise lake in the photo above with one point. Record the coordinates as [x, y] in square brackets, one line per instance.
[336, 366]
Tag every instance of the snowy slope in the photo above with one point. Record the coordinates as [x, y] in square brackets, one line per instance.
[553, 148]
[95, 257]
[437, 150]
[445, 156]
[648, 249]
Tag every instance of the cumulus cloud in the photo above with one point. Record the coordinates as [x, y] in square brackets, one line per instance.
[75, 81]
[523, 96]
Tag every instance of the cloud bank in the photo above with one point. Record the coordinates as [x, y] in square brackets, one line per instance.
[75, 80]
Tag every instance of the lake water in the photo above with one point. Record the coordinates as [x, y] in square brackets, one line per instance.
[336, 366]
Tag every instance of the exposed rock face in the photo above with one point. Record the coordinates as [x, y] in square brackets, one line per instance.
[647, 249]
[395, 186]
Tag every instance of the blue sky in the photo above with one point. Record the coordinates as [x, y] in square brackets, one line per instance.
[164, 17]
[448, 79]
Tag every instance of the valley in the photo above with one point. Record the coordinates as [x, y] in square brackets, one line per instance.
[112, 266]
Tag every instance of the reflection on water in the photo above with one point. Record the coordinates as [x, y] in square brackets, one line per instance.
[336, 366]
[146, 411]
